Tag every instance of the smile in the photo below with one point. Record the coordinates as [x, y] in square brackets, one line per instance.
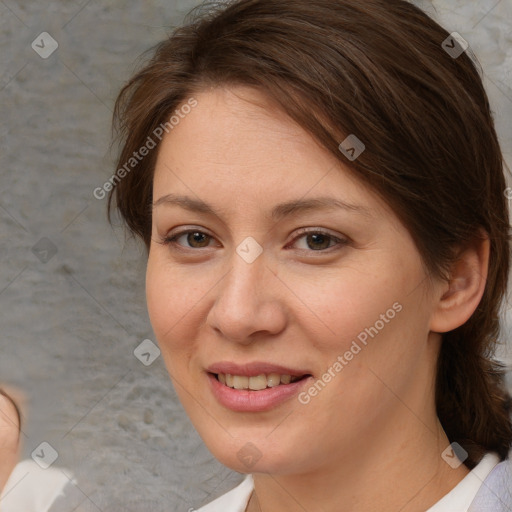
[256, 383]
[255, 386]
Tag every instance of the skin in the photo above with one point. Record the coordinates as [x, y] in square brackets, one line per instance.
[9, 439]
[373, 427]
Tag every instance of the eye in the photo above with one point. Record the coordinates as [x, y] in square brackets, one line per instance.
[191, 239]
[318, 240]
[313, 240]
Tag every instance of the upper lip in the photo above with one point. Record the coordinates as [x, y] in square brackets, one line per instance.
[254, 368]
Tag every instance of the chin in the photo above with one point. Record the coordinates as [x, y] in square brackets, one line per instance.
[252, 453]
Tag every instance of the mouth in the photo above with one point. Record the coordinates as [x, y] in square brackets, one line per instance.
[257, 382]
[256, 386]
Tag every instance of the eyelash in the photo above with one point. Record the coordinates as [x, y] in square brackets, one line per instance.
[172, 240]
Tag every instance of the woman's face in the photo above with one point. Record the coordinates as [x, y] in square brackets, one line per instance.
[292, 269]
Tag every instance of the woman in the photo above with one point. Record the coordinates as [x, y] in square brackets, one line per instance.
[320, 189]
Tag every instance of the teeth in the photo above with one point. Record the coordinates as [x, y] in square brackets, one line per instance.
[255, 383]
[274, 379]
[240, 382]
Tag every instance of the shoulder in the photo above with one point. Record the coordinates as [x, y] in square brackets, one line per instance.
[495, 493]
[233, 501]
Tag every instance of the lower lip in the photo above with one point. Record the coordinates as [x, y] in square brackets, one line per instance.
[245, 400]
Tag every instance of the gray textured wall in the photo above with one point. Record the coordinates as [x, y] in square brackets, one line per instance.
[69, 325]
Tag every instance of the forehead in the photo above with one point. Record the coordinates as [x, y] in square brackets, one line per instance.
[236, 126]
[237, 147]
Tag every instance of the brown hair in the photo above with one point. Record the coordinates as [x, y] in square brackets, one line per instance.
[376, 69]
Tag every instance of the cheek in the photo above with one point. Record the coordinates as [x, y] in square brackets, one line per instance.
[163, 294]
[175, 299]
[355, 321]
[167, 309]
[157, 297]
[380, 334]
[334, 308]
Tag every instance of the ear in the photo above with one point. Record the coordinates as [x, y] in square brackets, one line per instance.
[458, 298]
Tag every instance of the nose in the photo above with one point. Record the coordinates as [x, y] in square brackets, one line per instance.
[248, 305]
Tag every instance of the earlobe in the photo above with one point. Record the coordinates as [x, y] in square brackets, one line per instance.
[459, 297]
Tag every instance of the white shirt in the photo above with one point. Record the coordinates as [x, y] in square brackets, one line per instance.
[31, 488]
[457, 500]
[461, 496]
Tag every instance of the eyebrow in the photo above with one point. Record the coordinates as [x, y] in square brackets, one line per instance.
[286, 209]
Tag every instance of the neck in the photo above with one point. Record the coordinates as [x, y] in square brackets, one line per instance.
[409, 463]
